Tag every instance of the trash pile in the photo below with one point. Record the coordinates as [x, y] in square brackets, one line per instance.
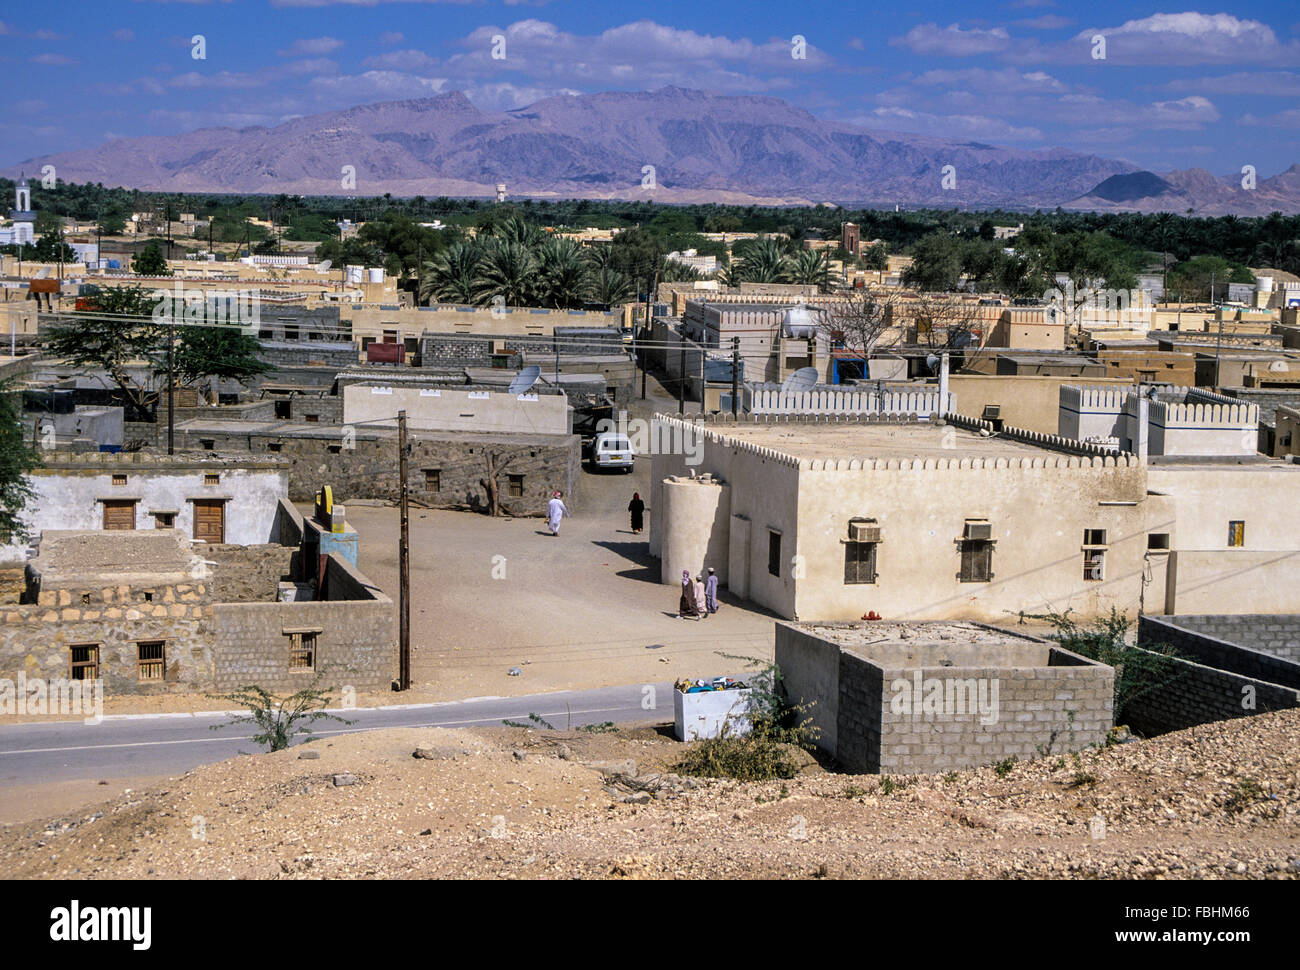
[687, 686]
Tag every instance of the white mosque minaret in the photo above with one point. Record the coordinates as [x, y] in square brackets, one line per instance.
[23, 231]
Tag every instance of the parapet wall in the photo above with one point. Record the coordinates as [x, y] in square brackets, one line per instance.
[1052, 442]
[769, 399]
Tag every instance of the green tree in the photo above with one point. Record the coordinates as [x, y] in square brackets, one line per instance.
[765, 261]
[936, 264]
[217, 352]
[150, 262]
[508, 272]
[17, 459]
[811, 268]
[118, 331]
[453, 275]
[278, 718]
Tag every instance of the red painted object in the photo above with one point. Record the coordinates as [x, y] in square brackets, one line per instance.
[378, 353]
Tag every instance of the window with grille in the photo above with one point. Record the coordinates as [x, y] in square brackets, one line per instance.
[1237, 532]
[976, 561]
[153, 660]
[517, 486]
[119, 479]
[859, 562]
[302, 652]
[211, 479]
[1094, 555]
[860, 551]
[84, 661]
[433, 479]
[774, 552]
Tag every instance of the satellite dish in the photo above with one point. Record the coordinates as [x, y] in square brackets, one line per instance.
[804, 379]
[324, 265]
[525, 379]
[932, 362]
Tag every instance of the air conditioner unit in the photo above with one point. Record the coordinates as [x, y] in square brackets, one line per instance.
[979, 530]
[864, 532]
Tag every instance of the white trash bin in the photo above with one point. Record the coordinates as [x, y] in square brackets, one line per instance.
[703, 715]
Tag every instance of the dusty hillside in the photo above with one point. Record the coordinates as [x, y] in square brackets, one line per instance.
[1219, 801]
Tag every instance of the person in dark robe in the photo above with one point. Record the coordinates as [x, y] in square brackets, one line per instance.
[637, 508]
[686, 606]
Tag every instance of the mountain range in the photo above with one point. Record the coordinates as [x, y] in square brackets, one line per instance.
[699, 147]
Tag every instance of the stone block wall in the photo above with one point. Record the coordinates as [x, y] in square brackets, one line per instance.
[368, 470]
[1063, 707]
[36, 638]
[250, 574]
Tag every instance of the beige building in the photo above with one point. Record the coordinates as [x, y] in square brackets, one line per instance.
[832, 520]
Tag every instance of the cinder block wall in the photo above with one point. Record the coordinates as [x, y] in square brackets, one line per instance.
[1064, 707]
[1211, 680]
[1275, 634]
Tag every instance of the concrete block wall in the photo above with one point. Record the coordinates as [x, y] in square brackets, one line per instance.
[356, 645]
[1042, 710]
[1242, 638]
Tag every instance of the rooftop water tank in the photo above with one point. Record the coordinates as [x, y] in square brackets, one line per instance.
[800, 323]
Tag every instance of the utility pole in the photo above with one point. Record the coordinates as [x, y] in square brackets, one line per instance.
[404, 564]
[735, 375]
[681, 376]
[171, 386]
[704, 382]
[1218, 341]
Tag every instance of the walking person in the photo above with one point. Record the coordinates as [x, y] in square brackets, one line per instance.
[700, 606]
[555, 511]
[686, 606]
[711, 592]
[637, 508]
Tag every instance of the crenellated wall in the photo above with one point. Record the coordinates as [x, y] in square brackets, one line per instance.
[769, 399]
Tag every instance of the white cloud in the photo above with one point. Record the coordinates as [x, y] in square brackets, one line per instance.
[311, 46]
[1188, 38]
[953, 41]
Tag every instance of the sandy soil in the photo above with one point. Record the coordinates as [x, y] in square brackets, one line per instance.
[1219, 801]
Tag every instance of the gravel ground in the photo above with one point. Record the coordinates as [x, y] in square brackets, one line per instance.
[1217, 801]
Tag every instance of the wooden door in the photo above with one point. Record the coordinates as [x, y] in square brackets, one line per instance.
[210, 520]
[119, 514]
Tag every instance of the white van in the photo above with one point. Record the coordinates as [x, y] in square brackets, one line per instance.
[612, 450]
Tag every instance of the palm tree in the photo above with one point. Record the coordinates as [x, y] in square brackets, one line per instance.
[765, 262]
[811, 268]
[453, 276]
[508, 271]
[516, 230]
[610, 287]
[732, 275]
[563, 277]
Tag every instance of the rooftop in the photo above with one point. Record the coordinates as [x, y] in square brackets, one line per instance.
[74, 559]
[855, 440]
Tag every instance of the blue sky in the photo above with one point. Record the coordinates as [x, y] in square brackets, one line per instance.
[1178, 87]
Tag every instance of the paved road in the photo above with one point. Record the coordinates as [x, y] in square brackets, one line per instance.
[127, 747]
